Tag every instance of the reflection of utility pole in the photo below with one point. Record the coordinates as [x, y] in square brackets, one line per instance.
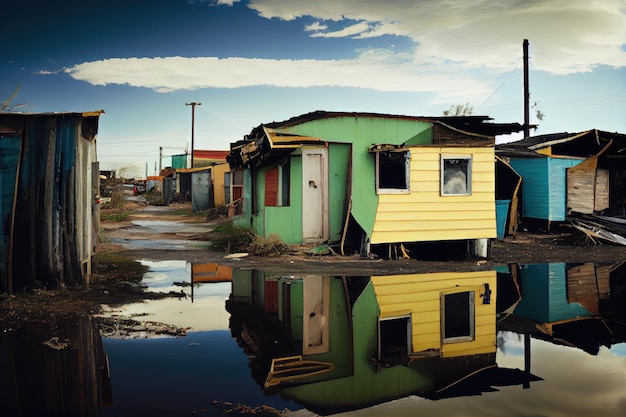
[526, 384]
[193, 105]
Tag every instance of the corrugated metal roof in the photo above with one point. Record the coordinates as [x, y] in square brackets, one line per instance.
[475, 124]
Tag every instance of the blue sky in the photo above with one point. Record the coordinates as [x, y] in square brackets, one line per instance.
[258, 61]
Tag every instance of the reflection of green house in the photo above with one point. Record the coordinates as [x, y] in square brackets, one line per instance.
[370, 181]
[386, 337]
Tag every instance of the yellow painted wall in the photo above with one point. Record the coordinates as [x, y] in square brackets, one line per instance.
[425, 215]
[420, 296]
[217, 173]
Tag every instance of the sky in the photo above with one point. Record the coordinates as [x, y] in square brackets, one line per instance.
[250, 62]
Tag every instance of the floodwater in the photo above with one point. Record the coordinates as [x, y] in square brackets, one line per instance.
[525, 340]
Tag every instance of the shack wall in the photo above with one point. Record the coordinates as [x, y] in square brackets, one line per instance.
[49, 160]
[426, 215]
[362, 132]
[420, 296]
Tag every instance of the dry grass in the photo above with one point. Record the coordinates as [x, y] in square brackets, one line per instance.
[271, 246]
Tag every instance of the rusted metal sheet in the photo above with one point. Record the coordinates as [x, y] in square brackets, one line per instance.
[52, 216]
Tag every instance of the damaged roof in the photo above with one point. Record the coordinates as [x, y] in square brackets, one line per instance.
[583, 144]
[474, 124]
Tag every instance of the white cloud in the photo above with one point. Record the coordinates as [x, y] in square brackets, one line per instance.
[374, 70]
[348, 31]
[315, 27]
[453, 45]
[565, 36]
[46, 72]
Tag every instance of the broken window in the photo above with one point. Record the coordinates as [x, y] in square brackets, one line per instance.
[277, 185]
[392, 172]
[394, 338]
[456, 178]
[457, 319]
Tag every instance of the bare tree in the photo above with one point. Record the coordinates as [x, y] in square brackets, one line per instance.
[459, 110]
[9, 105]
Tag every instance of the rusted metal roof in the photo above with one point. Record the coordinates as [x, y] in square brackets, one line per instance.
[565, 143]
[474, 124]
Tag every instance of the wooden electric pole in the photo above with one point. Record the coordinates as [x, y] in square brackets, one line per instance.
[526, 92]
[193, 116]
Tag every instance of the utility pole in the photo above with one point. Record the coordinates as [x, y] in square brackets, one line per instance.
[193, 105]
[526, 92]
[160, 158]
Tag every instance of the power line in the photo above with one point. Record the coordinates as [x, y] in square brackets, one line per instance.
[222, 120]
[503, 82]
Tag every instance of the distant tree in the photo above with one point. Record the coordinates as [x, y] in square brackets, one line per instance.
[8, 105]
[459, 110]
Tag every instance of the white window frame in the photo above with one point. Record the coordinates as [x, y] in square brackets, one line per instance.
[407, 171]
[471, 317]
[445, 191]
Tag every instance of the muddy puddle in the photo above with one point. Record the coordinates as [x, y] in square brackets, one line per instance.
[530, 339]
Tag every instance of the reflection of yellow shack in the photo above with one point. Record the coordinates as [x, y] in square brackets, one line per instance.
[210, 272]
[441, 314]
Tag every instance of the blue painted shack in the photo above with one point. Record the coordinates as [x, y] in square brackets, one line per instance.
[566, 173]
[49, 181]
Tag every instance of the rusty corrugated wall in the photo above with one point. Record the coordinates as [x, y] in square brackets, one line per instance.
[48, 217]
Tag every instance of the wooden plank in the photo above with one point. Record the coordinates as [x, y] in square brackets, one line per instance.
[582, 287]
[437, 225]
[602, 190]
[581, 181]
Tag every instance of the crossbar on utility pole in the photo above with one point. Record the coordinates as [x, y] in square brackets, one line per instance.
[193, 116]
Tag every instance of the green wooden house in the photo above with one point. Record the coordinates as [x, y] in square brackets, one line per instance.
[369, 181]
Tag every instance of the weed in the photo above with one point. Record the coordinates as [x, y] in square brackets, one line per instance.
[230, 237]
[271, 246]
[115, 210]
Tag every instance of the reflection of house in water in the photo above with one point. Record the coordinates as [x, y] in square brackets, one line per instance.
[54, 373]
[358, 341]
[579, 305]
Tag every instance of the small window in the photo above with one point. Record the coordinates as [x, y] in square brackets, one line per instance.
[392, 172]
[456, 178]
[277, 185]
[394, 338]
[457, 317]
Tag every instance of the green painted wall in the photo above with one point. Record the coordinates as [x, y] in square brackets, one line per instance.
[365, 386]
[340, 351]
[285, 221]
[363, 132]
[338, 166]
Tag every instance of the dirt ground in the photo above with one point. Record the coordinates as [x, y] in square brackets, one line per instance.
[116, 273]
[562, 244]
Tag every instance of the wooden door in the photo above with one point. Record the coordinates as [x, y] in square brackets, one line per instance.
[314, 194]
